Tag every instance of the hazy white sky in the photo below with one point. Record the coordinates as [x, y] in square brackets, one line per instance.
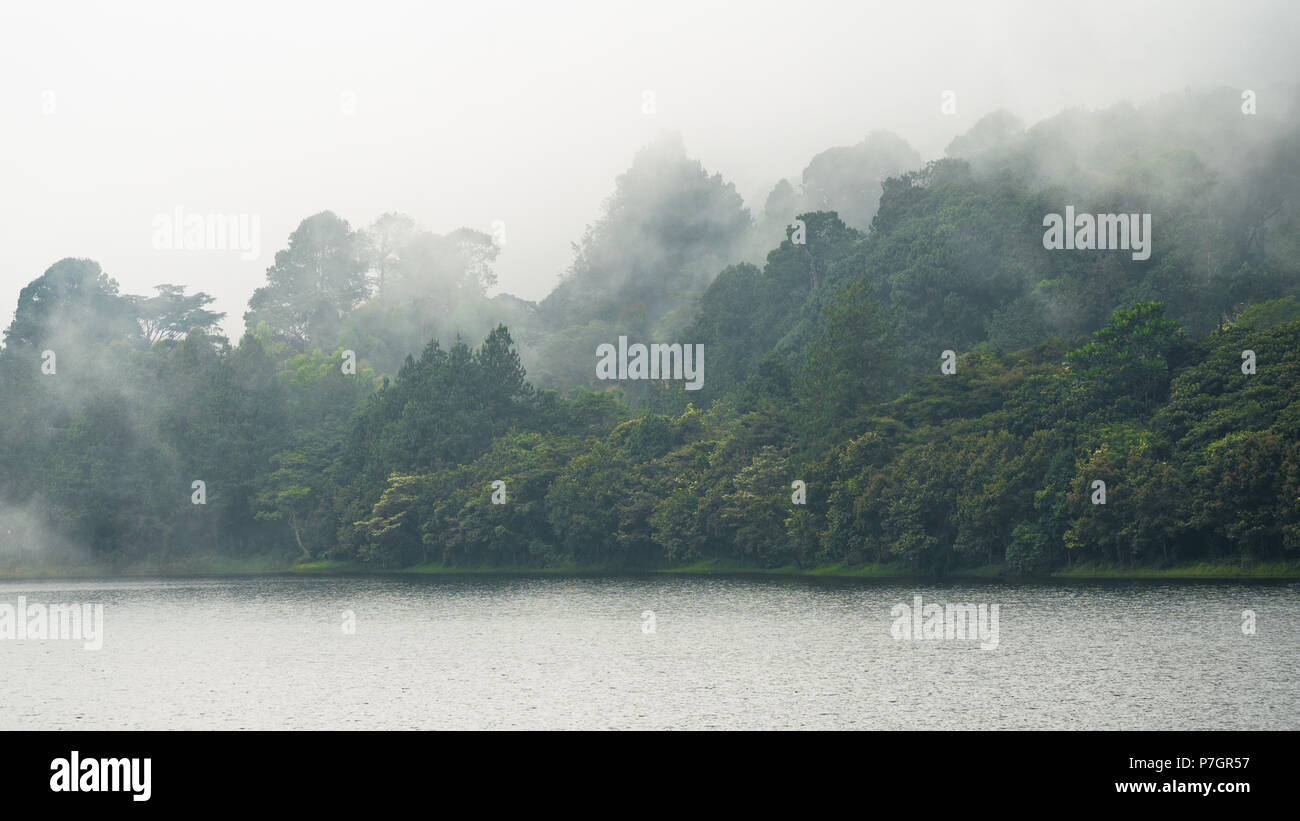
[471, 112]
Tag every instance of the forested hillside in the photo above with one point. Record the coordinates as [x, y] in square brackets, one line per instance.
[381, 408]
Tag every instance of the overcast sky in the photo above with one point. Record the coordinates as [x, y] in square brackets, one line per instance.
[467, 113]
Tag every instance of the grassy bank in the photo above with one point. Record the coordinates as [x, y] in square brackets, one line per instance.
[267, 566]
[1274, 570]
[193, 566]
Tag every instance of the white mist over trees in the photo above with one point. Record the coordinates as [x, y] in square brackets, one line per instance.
[822, 359]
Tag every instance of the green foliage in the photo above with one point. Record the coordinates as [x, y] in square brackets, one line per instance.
[1127, 365]
[823, 367]
[169, 315]
[638, 271]
[313, 283]
[1030, 550]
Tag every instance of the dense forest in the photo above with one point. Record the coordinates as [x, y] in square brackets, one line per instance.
[382, 409]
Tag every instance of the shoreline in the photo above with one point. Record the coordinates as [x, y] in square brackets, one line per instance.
[1270, 571]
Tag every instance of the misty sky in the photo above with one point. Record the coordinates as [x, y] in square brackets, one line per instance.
[469, 113]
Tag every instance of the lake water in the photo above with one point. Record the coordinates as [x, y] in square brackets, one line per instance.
[494, 652]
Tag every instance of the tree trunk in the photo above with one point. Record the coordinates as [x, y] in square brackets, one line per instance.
[293, 523]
